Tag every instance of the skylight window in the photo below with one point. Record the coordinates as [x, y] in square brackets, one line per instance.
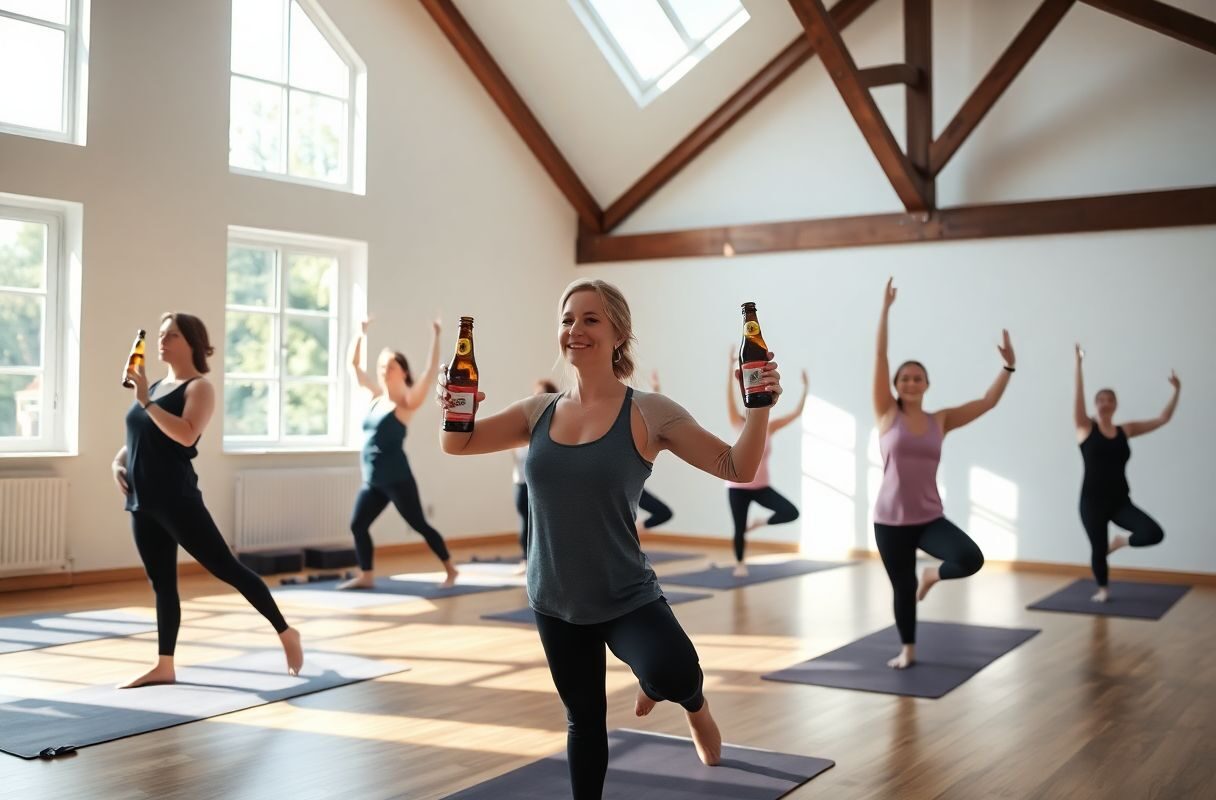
[651, 44]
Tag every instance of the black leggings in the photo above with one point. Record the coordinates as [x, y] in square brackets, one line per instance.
[374, 499]
[521, 506]
[659, 511]
[157, 535]
[940, 538]
[655, 647]
[1145, 532]
[740, 499]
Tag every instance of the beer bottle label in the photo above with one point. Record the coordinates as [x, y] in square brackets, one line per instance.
[462, 403]
[753, 377]
[463, 347]
[751, 328]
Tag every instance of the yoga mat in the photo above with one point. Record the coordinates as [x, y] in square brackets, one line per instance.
[1136, 600]
[397, 589]
[721, 577]
[947, 655]
[103, 713]
[659, 767]
[655, 556]
[34, 631]
[528, 617]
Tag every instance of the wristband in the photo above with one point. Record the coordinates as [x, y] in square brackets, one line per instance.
[1010, 369]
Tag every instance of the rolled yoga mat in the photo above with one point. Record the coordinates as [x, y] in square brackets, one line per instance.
[98, 714]
[947, 654]
[722, 577]
[659, 767]
[528, 617]
[1136, 600]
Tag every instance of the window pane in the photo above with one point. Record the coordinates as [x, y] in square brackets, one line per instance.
[307, 409]
[702, 17]
[49, 10]
[35, 54]
[310, 281]
[247, 344]
[307, 347]
[317, 144]
[250, 276]
[314, 63]
[257, 38]
[20, 330]
[20, 405]
[22, 254]
[246, 408]
[644, 33]
[255, 136]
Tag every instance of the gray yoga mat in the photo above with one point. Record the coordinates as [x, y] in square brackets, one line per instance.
[34, 631]
[1137, 600]
[102, 713]
[655, 556]
[721, 577]
[528, 617]
[947, 655]
[658, 767]
[402, 590]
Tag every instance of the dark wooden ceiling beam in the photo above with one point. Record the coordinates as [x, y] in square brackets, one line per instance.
[494, 80]
[994, 84]
[1174, 22]
[888, 74]
[717, 123]
[824, 34]
[918, 96]
[1141, 210]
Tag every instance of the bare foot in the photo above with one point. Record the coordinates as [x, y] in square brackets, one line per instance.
[1101, 596]
[162, 673]
[522, 569]
[756, 523]
[450, 580]
[293, 650]
[705, 735]
[1117, 543]
[740, 570]
[905, 659]
[644, 704]
[928, 577]
[364, 580]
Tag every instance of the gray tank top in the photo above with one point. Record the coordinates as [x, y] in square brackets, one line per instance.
[585, 563]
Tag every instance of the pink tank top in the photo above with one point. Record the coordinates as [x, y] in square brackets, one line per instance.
[761, 481]
[909, 475]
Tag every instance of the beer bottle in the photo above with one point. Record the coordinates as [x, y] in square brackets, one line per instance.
[462, 382]
[753, 355]
[136, 359]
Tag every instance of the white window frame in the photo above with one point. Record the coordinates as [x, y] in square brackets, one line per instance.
[58, 420]
[74, 113]
[644, 91]
[348, 304]
[356, 102]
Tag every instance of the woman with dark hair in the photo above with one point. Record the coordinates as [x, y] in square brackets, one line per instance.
[386, 471]
[908, 513]
[1105, 495]
[591, 450]
[759, 490]
[154, 473]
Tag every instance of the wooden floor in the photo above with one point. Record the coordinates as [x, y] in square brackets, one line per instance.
[1090, 708]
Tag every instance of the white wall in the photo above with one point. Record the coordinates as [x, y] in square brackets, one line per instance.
[1105, 106]
[457, 217]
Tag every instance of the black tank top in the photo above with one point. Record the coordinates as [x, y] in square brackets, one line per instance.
[1105, 460]
[159, 472]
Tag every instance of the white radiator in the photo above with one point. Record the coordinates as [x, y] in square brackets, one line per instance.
[296, 507]
[33, 525]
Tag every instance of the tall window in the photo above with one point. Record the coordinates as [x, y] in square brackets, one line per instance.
[43, 55]
[296, 107]
[33, 341]
[287, 321]
[653, 43]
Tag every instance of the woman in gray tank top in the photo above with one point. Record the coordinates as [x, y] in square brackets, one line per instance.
[590, 450]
